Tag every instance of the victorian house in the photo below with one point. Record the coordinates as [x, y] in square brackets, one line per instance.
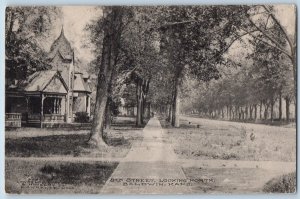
[50, 97]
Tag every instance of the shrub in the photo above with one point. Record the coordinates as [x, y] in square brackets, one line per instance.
[82, 117]
[282, 184]
[48, 169]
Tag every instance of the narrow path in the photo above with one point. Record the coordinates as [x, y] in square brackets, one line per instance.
[149, 167]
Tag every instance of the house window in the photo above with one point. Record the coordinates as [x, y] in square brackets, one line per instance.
[52, 105]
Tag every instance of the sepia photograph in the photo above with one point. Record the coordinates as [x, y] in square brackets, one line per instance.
[174, 99]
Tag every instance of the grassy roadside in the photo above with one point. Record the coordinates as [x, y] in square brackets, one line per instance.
[230, 142]
[275, 122]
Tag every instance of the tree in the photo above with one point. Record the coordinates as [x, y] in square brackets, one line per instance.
[263, 77]
[112, 28]
[271, 39]
[25, 29]
[139, 55]
[258, 22]
[262, 21]
[189, 29]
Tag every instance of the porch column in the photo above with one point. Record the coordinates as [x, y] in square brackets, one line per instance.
[67, 107]
[59, 105]
[88, 109]
[27, 108]
[71, 108]
[42, 109]
[63, 107]
[54, 105]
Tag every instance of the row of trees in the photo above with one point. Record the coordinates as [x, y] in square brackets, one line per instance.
[252, 85]
[166, 46]
[272, 63]
[247, 92]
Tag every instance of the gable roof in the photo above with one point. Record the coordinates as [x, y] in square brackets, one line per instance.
[56, 85]
[43, 81]
[79, 84]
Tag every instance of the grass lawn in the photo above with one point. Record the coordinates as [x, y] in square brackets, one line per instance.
[69, 176]
[56, 177]
[119, 140]
[119, 143]
[231, 141]
[229, 180]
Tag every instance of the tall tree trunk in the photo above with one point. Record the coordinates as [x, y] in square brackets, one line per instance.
[169, 113]
[148, 110]
[227, 114]
[222, 113]
[251, 112]
[243, 113]
[255, 113]
[142, 87]
[287, 108]
[96, 136]
[173, 111]
[280, 107]
[108, 114]
[260, 110]
[172, 107]
[139, 115]
[272, 110]
[176, 104]
[110, 48]
[266, 111]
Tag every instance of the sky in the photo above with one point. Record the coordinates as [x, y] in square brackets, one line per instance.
[75, 18]
[284, 13]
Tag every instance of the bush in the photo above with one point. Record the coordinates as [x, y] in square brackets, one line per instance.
[282, 184]
[82, 117]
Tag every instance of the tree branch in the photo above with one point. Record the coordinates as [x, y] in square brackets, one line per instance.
[279, 24]
[265, 34]
[181, 22]
[232, 42]
[273, 46]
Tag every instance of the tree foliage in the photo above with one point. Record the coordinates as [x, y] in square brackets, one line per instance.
[26, 29]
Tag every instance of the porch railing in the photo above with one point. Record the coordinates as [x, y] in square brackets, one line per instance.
[34, 118]
[53, 118]
[13, 119]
